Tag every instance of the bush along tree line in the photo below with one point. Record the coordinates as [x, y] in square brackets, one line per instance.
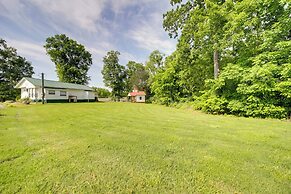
[101, 92]
[122, 79]
[232, 57]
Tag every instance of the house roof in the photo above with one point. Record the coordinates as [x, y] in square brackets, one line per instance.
[140, 93]
[54, 84]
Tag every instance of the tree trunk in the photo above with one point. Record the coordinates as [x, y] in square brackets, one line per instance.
[216, 64]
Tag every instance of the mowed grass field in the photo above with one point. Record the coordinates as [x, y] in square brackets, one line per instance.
[140, 148]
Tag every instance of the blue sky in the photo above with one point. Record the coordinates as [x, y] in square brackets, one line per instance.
[133, 27]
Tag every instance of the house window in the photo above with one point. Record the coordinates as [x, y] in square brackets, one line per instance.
[63, 93]
[140, 98]
[52, 92]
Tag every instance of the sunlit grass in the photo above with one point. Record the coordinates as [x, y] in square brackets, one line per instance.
[124, 147]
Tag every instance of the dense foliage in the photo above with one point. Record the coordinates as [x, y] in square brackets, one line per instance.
[114, 74]
[245, 45]
[71, 59]
[101, 92]
[154, 65]
[123, 79]
[137, 76]
[12, 69]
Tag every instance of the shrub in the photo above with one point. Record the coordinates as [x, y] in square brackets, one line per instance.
[25, 100]
[257, 91]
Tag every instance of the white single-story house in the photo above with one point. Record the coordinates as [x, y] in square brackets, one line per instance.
[136, 96]
[55, 91]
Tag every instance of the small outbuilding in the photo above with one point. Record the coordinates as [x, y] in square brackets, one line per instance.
[55, 91]
[136, 96]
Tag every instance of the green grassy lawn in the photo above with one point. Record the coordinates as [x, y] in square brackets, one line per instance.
[123, 147]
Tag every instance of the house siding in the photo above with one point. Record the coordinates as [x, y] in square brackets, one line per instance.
[140, 98]
[81, 94]
[35, 93]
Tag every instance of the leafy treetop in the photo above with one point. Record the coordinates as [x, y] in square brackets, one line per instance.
[71, 59]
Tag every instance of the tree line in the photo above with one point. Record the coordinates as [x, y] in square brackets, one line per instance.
[72, 62]
[122, 79]
[231, 57]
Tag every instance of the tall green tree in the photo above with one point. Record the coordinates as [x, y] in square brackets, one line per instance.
[201, 23]
[218, 32]
[257, 82]
[153, 66]
[114, 74]
[12, 69]
[155, 62]
[247, 41]
[137, 76]
[164, 85]
[71, 59]
[253, 26]
[199, 27]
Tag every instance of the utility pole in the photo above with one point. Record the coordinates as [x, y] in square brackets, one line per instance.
[42, 88]
[87, 95]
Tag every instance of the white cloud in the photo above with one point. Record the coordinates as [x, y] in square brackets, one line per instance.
[36, 54]
[100, 25]
[81, 13]
[126, 56]
[119, 5]
[28, 49]
[96, 51]
[8, 6]
[15, 11]
[149, 35]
